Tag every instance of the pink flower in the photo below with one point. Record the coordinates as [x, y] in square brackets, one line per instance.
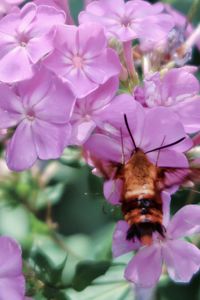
[40, 110]
[26, 36]
[181, 258]
[150, 129]
[86, 113]
[178, 90]
[82, 58]
[12, 284]
[130, 20]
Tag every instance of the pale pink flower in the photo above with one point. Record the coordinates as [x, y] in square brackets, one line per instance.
[178, 90]
[130, 20]
[26, 36]
[181, 258]
[40, 109]
[82, 58]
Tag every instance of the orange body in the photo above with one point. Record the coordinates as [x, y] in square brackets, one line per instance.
[141, 200]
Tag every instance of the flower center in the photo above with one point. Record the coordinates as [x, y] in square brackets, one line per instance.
[22, 39]
[77, 61]
[125, 21]
[30, 115]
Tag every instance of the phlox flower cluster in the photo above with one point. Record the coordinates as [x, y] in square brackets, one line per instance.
[63, 84]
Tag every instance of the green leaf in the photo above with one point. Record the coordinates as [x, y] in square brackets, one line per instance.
[51, 194]
[109, 286]
[54, 294]
[168, 290]
[87, 271]
[48, 272]
[72, 157]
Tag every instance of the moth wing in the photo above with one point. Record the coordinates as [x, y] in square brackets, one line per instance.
[108, 169]
[168, 177]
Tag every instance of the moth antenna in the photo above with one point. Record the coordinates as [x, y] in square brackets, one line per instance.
[166, 146]
[129, 131]
[159, 151]
[122, 143]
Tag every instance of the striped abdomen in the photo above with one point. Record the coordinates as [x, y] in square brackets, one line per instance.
[144, 217]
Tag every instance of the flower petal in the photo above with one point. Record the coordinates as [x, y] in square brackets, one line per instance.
[182, 260]
[80, 83]
[10, 258]
[112, 190]
[81, 131]
[15, 66]
[184, 222]
[120, 244]
[103, 67]
[21, 153]
[99, 142]
[10, 107]
[189, 113]
[167, 127]
[145, 267]
[50, 139]
[91, 40]
[57, 104]
[34, 90]
[12, 288]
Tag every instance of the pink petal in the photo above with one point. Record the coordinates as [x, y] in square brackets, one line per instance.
[81, 131]
[112, 190]
[109, 6]
[97, 145]
[8, 24]
[140, 9]
[80, 83]
[166, 201]
[27, 15]
[182, 260]
[34, 90]
[58, 62]
[10, 258]
[103, 67]
[103, 95]
[50, 139]
[21, 153]
[15, 66]
[10, 107]
[91, 40]
[169, 158]
[42, 22]
[184, 222]
[114, 114]
[120, 244]
[145, 267]
[167, 127]
[188, 111]
[12, 288]
[179, 84]
[66, 39]
[57, 105]
[38, 47]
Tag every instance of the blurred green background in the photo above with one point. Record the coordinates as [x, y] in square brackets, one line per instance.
[58, 214]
